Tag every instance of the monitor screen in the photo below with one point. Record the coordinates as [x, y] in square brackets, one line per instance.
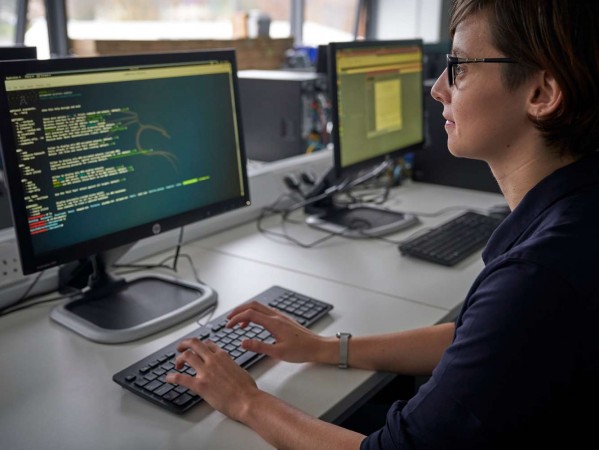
[101, 152]
[377, 110]
[377, 101]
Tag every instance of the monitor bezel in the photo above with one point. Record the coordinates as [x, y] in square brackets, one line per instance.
[34, 262]
[353, 169]
[16, 52]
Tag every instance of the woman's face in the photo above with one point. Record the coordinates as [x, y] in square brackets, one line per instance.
[484, 120]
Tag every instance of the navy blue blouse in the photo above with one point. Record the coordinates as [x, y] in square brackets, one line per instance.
[523, 368]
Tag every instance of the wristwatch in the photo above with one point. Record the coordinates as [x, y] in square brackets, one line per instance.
[343, 349]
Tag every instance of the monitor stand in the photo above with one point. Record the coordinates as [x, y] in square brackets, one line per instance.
[356, 220]
[113, 311]
[361, 220]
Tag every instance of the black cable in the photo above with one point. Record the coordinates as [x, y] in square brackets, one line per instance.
[178, 249]
[25, 295]
[285, 235]
[206, 315]
[343, 186]
[346, 188]
[30, 288]
[10, 309]
[272, 210]
[14, 307]
[159, 265]
[378, 199]
[134, 267]
[193, 267]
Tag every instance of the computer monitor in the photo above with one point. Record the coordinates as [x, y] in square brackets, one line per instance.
[377, 111]
[101, 152]
[10, 53]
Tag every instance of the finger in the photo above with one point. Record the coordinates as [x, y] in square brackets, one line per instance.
[180, 379]
[257, 346]
[184, 345]
[188, 357]
[196, 345]
[213, 347]
[252, 315]
[250, 305]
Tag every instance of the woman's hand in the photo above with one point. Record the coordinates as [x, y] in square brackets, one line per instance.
[294, 343]
[231, 390]
[218, 380]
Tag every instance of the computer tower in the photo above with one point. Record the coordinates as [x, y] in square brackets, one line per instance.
[283, 113]
[434, 164]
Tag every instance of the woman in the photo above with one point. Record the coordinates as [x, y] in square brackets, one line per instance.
[520, 366]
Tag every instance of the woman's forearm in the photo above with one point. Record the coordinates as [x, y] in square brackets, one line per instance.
[285, 427]
[413, 352]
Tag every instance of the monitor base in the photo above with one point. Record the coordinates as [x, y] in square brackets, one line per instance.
[143, 305]
[362, 221]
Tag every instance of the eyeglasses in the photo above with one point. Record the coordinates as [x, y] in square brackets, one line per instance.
[454, 61]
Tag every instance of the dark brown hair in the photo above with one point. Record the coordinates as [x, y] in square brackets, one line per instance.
[561, 37]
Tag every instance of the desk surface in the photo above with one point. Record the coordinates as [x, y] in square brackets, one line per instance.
[367, 263]
[57, 389]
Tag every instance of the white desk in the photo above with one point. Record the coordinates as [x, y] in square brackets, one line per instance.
[366, 263]
[57, 389]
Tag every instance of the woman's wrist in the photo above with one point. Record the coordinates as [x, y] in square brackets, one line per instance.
[249, 405]
[328, 350]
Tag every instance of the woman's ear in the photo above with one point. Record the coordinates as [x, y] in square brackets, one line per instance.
[546, 96]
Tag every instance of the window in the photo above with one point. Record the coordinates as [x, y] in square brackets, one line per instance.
[36, 33]
[329, 21]
[8, 22]
[170, 19]
[321, 21]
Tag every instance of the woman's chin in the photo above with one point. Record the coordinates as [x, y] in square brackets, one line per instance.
[461, 152]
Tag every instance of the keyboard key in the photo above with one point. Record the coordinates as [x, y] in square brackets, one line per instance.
[164, 389]
[182, 400]
[153, 385]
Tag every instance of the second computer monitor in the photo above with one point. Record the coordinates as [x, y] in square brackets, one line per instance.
[377, 113]
[377, 101]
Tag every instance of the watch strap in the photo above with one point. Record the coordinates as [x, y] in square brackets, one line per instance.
[343, 349]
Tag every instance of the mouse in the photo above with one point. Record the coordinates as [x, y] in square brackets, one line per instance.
[499, 211]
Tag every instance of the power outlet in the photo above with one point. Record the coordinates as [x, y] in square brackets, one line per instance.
[10, 265]
[13, 284]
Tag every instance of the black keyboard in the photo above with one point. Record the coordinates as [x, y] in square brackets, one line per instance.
[453, 241]
[146, 377]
